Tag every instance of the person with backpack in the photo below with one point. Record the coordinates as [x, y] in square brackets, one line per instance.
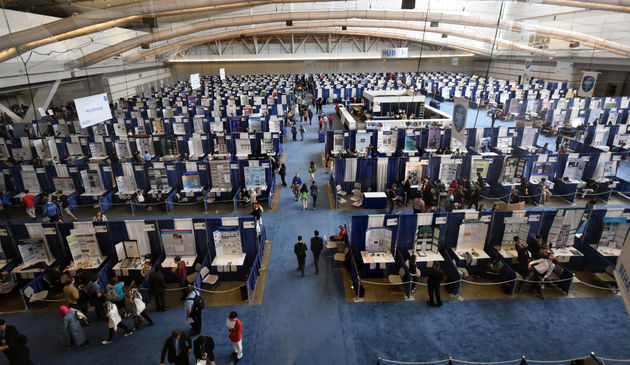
[115, 291]
[137, 308]
[304, 196]
[194, 305]
[72, 325]
[312, 168]
[300, 252]
[314, 192]
[113, 322]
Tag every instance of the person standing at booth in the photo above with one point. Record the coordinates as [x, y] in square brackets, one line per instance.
[300, 253]
[434, 278]
[180, 273]
[317, 245]
[283, 174]
[158, 287]
[29, 204]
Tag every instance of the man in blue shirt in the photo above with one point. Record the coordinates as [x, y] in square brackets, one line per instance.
[296, 184]
[147, 156]
[192, 312]
[51, 211]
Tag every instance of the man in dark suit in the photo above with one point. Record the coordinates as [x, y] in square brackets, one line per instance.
[535, 247]
[524, 256]
[157, 287]
[204, 349]
[434, 278]
[13, 344]
[178, 346]
[300, 252]
[317, 245]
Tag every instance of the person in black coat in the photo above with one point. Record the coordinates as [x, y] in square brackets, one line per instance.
[158, 287]
[300, 252]
[317, 245]
[204, 349]
[535, 247]
[178, 346]
[524, 256]
[283, 174]
[13, 344]
[434, 278]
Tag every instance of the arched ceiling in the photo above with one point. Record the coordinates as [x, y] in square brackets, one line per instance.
[507, 25]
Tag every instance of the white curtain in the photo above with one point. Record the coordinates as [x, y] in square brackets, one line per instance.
[376, 220]
[135, 231]
[183, 224]
[62, 170]
[351, 170]
[381, 174]
[128, 172]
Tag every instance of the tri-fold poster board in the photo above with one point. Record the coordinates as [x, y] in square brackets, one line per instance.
[564, 227]
[179, 242]
[472, 236]
[83, 245]
[33, 251]
[378, 239]
[227, 241]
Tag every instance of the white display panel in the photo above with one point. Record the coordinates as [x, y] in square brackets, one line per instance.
[378, 239]
[93, 109]
[227, 242]
[564, 227]
[195, 81]
[32, 252]
[179, 242]
[471, 235]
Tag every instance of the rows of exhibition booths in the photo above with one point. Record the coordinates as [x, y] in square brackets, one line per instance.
[202, 145]
[504, 157]
[538, 100]
[214, 250]
[468, 242]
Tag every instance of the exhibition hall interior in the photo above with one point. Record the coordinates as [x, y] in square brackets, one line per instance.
[216, 182]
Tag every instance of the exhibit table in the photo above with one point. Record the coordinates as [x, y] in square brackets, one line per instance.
[564, 254]
[609, 251]
[169, 261]
[475, 253]
[227, 263]
[377, 257]
[374, 200]
[122, 267]
[93, 263]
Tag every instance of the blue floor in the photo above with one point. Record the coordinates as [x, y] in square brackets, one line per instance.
[307, 320]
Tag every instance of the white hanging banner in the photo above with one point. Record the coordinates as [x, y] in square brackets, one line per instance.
[460, 116]
[588, 84]
[395, 53]
[622, 274]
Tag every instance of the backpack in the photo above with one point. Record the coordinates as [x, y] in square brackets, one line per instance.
[111, 296]
[198, 303]
[81, 318]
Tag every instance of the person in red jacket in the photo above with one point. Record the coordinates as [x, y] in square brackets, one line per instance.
[180, 273]
[234, 329]
[29, 203]
[330, 121]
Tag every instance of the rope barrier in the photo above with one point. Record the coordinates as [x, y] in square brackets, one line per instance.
[614, 360]
[486, 363]
[414, 363]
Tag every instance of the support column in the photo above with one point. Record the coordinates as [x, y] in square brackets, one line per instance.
[10, 113]
[42, 98]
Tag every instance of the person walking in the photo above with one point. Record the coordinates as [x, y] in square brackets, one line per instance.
[235, 328]
[95, 295]
[157, 287]
[312, 168]
[300, 252]
[302, 130]
[434, 278]
[295, 185]
[294, 132]
[180, 273]
[317, 245]
[330, 121]
[65, 205]
[176, 349]
[320, 121]
[113, 322]
[283, 174]
[314, 193]
[72, 325]
[138, 308]
[304, 196]
[203, 347]
[29, 204]
[193, 308]
[13, 344]
[310, 116]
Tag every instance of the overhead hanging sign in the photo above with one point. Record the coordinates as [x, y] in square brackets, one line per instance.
[622, 274]
[195, 81]
[460, 116]
[588, 84]
[395, 53]
[93, 109]
[222, 73]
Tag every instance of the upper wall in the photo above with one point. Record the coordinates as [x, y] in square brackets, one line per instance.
[181, 71]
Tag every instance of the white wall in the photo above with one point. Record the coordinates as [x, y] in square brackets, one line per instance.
[131, 84]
